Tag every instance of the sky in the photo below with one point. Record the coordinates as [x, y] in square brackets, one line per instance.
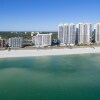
[45, 15]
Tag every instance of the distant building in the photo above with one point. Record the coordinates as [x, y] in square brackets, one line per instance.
[97, 32]
[32, 33]
[2, 43]
[42, 40]
[16, 42]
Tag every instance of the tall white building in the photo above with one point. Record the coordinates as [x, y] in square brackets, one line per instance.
[67, 34]
[61, 33]
[87, 33]
[84, 33]
[97, 32]
[72, 34]
[42, 40]
[80, 33]
[16, 42]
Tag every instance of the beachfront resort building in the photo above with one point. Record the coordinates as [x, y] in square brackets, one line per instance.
[87, 33]
[84, 33]
[2, 43]
[16, 42]
[67, 34]
[97, 32]
[80, 33]
[70, 34]
[61, 33]
[42, 40]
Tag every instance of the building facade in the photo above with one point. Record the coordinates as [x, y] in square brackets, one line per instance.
[97, 32]
[61, 33]
[16, 42]
[67, 34]
[33, 40]
[72, 34]
[80, 33]
[84, 33]
[87, 33]
[42, 40]
[2, 43]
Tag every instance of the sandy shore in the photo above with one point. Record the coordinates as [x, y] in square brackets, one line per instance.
[50, 52]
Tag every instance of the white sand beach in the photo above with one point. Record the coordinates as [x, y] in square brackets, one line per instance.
[49, 52]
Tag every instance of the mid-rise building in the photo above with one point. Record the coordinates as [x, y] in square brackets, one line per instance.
[2, 43]
[16, 42]
[42, 40]
[97, 32]
[33, 40]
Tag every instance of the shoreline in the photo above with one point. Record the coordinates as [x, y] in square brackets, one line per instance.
[48, 52]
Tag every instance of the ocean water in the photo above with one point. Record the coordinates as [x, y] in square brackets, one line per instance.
[70, 77]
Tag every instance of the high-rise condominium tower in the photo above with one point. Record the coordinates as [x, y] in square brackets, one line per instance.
[97, 32]
[72, 34]
[87, 33]
[66, 33]
[61, 33]
[80, 33]
[84, 33]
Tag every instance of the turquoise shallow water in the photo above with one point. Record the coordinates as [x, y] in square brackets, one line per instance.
[71, 77]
